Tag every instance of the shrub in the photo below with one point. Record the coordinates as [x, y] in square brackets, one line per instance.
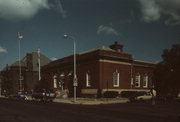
[111, 94]
[129, 94]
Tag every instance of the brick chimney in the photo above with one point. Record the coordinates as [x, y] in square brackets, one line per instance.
[117, 47]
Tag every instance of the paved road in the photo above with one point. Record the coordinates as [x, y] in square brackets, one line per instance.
[31, 111]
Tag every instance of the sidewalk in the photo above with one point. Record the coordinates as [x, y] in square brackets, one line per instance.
[91, 101]
[87, 101]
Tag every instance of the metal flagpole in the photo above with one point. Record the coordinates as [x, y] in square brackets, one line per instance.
[131, 75]
[39, 62]
[75, 77]
[20, 77]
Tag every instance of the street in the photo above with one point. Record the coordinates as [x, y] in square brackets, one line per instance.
[33, 111]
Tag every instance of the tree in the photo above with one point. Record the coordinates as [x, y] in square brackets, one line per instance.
[167, 73]
[42, 84]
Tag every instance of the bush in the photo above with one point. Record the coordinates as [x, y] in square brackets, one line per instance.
[129, 94]
[111, 94]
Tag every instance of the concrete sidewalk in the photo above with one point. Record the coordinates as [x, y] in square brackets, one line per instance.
[91, 101]
[86, 101]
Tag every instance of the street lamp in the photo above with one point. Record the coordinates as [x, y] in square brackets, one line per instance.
[75, 76]
[20, 37]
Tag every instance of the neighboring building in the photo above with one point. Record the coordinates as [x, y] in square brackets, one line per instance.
[29, 69]
[101, 69]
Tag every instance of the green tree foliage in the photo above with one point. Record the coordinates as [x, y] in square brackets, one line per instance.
[167, 73]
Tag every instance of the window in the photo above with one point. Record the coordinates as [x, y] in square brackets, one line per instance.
[88, 80]
[55, 81]
[137, 80]
[116, 79]
[145, 81]
[61, 81]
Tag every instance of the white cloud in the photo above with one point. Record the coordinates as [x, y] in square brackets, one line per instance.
[53, 58]
[109, 30]
[3, 50]
[153, 10]
[150, 10]
[16, 10]
[59, 8]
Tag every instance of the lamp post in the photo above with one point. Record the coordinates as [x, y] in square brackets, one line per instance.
[75, 76]
[20, 72]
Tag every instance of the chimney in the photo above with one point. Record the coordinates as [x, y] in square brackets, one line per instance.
[117, 47]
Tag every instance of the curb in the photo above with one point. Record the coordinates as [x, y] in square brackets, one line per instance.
[83, 102]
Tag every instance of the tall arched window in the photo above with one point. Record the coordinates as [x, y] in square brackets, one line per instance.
[145, 81]
[137, 80]
[116, 79]
[61, 81]
[88, 79]
[55, 81]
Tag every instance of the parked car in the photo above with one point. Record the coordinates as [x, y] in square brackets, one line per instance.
[141, 96]
[44, 95]
[145, 96]
[19, 96]
[178, 96]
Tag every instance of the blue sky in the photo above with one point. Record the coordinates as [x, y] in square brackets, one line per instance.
[144, 27]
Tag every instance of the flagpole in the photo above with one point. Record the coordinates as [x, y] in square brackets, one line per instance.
[39, 62]
[131, 74]
[20, 79]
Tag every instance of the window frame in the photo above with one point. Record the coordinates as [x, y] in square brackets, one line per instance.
[138, 80]
[55, 80]
[88, 79]
[116, 79]
[145, 81]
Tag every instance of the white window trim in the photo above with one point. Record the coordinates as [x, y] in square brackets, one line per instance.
[88, 82]
[116, 85]
[55, 81]
[145, 81]
[139, 80]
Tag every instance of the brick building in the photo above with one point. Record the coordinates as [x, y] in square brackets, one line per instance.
[10, 78]
[105, 68]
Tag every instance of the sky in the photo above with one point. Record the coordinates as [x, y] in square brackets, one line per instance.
[144, 27]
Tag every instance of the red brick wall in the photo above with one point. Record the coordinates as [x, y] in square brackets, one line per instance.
[142, 71]
[107, 70]
[93, 68]
[101, 64]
